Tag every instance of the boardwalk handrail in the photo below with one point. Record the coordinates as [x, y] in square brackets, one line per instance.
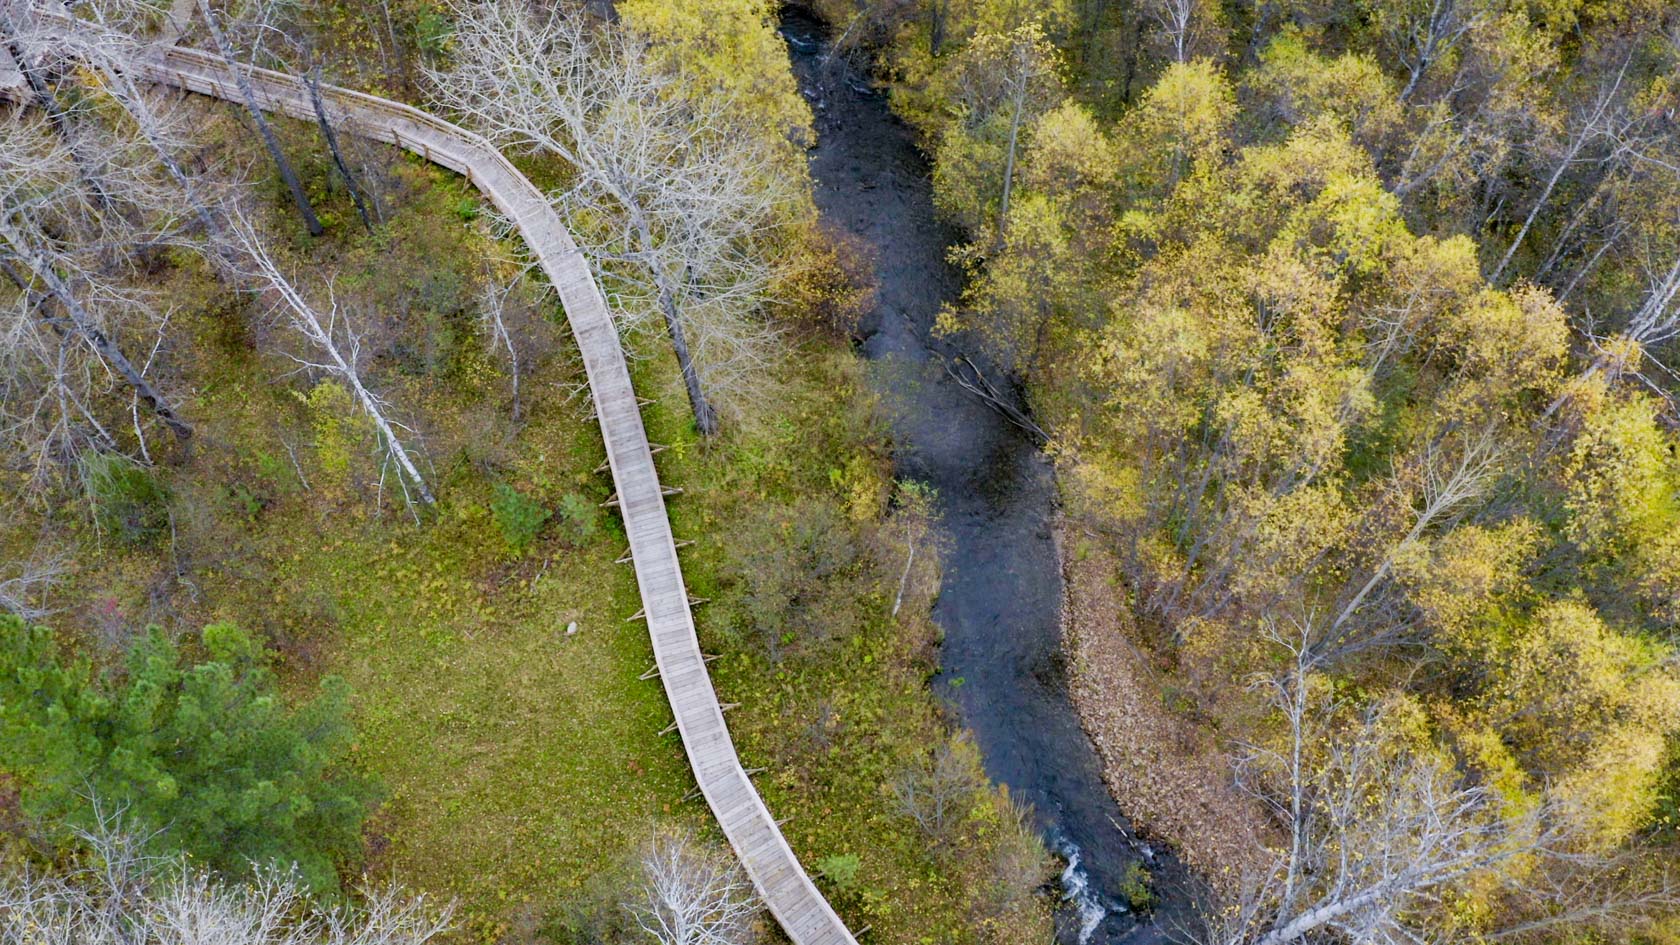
[781, 882]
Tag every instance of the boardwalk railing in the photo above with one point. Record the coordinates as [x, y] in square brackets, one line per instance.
[782, 883]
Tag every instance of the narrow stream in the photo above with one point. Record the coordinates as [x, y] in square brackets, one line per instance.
[1000, 606]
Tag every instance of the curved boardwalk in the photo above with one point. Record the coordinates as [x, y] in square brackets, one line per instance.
[775, 871]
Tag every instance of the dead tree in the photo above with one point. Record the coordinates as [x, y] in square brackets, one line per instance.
[1431, 32]
[692, 895]
[18, 23]
[1379, 830]
[23, 594]
[64, 254]
[312, 80]
[38, 271]
[1594, 126]
[335, 351]
[125, 895]
[1450, 473]
[249, 96]
[105, 44]
[493, 316]
[673, 198]
[1176, 17]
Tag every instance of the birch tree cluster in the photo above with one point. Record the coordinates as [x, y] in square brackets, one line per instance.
[93, 192]
[119, 894]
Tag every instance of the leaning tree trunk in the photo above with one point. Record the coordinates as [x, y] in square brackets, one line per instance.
[705, 418]
[1009, 162]
[84, 327]
[48, 103]
[263, 128]
[312, 80]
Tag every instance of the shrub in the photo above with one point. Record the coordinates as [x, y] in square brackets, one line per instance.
[840, 869]
[208, 755]
[518, 516]
[794, 576]
[127, 501]
[1137, 886]
[581, 517]
[340, 433]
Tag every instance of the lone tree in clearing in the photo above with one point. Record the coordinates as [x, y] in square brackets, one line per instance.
[692, 895]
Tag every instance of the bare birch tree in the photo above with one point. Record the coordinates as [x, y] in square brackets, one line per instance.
[692, 895]
[493, 319]
[1027, 67]
[66, 253]
[1176, 18]
[23, 593]
[334, 349]
[672, 198]
[123, 896]
[1379, 831]
[1595, 123]
[1449, 473]
[1374, 830]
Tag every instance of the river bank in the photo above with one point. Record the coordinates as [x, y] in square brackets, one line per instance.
[1166, 772]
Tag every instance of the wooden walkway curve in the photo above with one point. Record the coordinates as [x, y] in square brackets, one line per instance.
[782, 883]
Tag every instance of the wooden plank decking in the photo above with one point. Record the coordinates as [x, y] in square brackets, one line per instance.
[782, 883]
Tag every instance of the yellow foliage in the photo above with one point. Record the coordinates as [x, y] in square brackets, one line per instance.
[1621, 486]
[1352, 89]
[1184, 119]
[1353, 223]
[730, 46]
[1455, 578]
[1507, 344]
[1588, 707]
[1611, 794]
[1068, 153]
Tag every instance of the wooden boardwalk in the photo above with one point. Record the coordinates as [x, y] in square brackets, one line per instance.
[782, 883]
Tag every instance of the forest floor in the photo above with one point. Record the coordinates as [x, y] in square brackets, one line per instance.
[519, 760]
[1168, 774]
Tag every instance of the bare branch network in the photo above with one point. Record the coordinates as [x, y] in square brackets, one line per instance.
[675, 199]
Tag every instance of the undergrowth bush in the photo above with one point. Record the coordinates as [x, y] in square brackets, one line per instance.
[518, 516]
[127, 501]
[581, 517]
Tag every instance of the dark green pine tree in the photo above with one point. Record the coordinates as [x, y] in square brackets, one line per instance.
[209, 754]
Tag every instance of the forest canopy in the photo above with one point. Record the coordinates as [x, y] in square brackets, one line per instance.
[1351, 328]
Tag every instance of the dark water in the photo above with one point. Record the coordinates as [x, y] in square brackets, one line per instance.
[1000, 605]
